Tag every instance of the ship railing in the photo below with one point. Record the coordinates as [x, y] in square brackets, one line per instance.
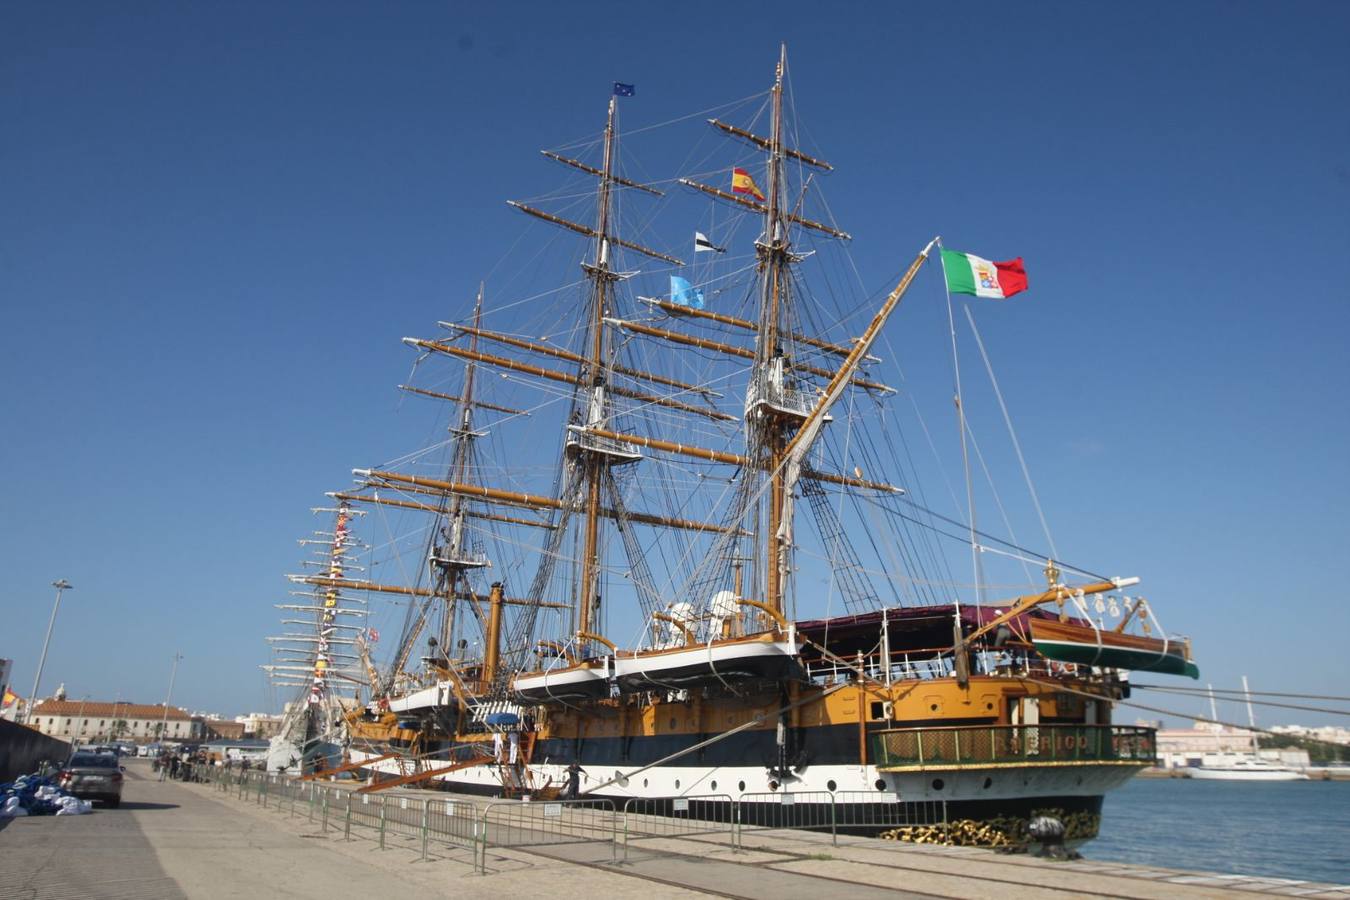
[579, 436]
[921, 665]
[771, 393]
[513, 823]
[969, 746]
[678, 817]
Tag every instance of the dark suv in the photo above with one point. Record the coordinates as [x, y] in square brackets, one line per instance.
[93, 776]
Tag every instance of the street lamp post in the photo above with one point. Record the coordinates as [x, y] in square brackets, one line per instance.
[60, 585]
[164, 722]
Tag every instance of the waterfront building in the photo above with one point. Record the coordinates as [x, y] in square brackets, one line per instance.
[1329, 734]
[95, 721]
[259, 725]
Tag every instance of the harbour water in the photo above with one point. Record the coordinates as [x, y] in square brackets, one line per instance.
[1298, 829]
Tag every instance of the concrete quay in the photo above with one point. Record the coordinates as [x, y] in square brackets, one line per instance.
[174, 840]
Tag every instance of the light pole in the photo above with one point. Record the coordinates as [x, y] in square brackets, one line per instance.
[164, 722]
[60, 585]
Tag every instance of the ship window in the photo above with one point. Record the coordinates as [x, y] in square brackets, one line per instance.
[878, 710]
[988, 783]
[672, 723]
[938, 784]
[773, 785]
[644, 782]
[933, 707]
[713, 786]
[830, 785]
[881, 784]
[677, 784]
[741, 787]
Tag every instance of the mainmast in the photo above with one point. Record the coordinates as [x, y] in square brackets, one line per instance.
[596, 463]
[769, 425]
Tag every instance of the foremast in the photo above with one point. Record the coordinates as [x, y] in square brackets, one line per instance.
[452, 561]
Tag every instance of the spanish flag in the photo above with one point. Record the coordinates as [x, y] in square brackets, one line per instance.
[9, 698]
[742, 183]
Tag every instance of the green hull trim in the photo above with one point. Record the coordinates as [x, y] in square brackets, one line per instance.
[1117, 658]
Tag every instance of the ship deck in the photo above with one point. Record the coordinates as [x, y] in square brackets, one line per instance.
[192, 840]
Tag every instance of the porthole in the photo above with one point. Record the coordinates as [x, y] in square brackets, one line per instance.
[773, 785]
[677, 784]
[933, 707]
[989, 706]
[830, 785]
[713, 786]
[938, 784]
[881, 784]
[740, 786]
[988, 783]
[644, 782]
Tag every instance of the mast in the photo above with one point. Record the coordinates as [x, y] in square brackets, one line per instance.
[455, 525]
[1251, 715]
[773, 254]
[595, 464]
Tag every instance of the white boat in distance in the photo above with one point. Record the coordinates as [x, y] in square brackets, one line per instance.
[1245, 767]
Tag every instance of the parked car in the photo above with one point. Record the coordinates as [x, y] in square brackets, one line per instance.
[93, 776]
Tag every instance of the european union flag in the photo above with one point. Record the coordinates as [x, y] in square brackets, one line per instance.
[624, 90]
[684, 293]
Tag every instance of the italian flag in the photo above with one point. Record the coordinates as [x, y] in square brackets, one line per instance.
[969, 274]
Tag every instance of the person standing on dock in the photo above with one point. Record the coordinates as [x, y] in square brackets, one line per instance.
[574, 779]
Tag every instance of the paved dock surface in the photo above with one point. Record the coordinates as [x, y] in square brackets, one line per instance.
[171, 840]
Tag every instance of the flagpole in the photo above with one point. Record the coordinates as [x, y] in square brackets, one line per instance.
[965, 457]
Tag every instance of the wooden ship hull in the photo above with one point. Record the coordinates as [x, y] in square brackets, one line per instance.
[868, 734]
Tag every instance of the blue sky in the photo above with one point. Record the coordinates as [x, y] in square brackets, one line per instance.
[216, 222]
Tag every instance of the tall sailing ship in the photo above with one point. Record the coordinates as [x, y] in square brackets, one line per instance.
[675, 539]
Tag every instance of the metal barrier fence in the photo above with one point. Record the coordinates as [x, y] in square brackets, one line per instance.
[838, 812]
[866, 811]
[807, 810]
[669, 817]
[422, 821]
[456, 822]
[511, 823]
